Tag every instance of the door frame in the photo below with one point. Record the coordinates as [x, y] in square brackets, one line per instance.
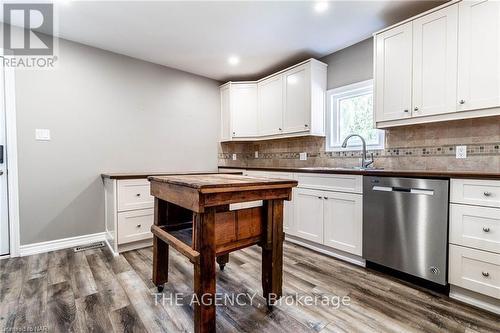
[11, 158]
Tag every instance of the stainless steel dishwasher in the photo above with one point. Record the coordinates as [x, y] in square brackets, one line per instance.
[405, 225]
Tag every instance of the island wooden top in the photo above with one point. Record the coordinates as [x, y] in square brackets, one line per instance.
[198, 192]
[210, 183]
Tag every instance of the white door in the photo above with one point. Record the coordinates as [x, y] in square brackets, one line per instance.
[309, 214]
[435, 43]
[297, 99]
[244, 109]
[270, 98]
[393, 73]
[479, 55]
[4, 216]
[343, 221]
[225, 118]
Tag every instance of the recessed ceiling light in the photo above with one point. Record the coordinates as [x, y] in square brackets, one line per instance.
[320, 6]
[233, 60]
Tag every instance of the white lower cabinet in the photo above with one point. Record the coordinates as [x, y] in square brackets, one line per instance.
[128, 214]
[309, 214]
[474, 249]
[475, 270]
[343, 221]
[334, 219]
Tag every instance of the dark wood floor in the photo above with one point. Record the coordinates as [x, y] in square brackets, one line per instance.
[92, 291]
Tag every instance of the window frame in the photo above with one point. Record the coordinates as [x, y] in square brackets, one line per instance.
[332, 96]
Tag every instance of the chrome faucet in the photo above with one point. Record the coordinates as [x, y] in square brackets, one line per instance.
[365, 163]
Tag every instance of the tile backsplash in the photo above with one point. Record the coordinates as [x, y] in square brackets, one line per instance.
[417, 147]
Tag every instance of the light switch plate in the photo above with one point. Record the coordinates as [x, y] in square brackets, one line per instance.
[461, 151]
[42, 134]
[256, 154]
[234, 157]
[303, 156]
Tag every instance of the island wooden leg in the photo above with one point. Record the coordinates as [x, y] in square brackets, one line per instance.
[272, 251]
[160, 248]
[204, 272]
[222, 261]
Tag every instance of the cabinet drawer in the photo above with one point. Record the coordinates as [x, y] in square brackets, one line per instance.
[477, 227]
[476, 192]
[135, 225]
[475, 270]
[134, 194]
[340, 183]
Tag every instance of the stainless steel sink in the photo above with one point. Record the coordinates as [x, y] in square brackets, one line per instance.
[340, 168]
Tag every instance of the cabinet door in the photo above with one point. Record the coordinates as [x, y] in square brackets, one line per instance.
[309, 214]
[435, 43]
[393, 77]
[270, 98]
[244, 110]
[479, 55]
[297, 99]
[343, 221]
[225, 123]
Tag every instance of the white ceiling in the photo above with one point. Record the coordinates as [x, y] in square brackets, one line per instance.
[198, 37]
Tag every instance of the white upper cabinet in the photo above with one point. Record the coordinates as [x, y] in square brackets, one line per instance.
[441, 65]
[225, 128]
[393, 54]
[435, 43]
[244, 109]
[296, 116]
[479, 55]
[288, 103]
[271, 105]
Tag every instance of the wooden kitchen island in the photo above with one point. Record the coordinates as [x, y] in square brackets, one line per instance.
[199, 206]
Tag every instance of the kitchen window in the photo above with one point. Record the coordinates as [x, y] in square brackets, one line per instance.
[350, 111]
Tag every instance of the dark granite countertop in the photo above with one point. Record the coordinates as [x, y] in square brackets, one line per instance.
[139, 175]
[383, 172]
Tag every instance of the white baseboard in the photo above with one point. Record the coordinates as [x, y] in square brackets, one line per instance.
[59, 244]
[353, 259]
[481, 301]
[115, 254]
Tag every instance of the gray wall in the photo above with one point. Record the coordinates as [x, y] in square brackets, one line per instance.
[350, 65]
[106, 113]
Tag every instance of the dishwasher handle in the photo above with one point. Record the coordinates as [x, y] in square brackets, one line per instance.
[408, 190]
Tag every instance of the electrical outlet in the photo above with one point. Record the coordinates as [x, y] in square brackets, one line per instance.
[256, 154]
[303, 156]
[42, 134]
[461, 151]
[234, 157]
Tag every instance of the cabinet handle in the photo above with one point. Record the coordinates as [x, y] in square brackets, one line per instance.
[138, 195]
[406, 110]
[486, 274]
[320, 198]
[416, 108]
[279, 129]
[486, 229]
[306, 125]
[138, 226]
[326, 198]
[487, 194]
[461, 101]
[234, 133]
